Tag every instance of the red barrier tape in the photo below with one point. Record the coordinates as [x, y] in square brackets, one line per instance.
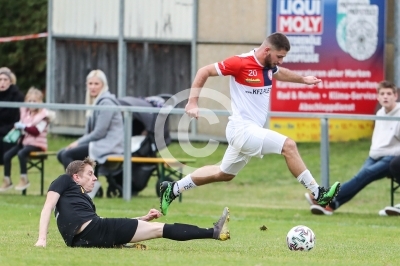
[25, 37]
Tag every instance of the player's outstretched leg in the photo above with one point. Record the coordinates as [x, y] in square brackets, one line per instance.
[166, 196]
[221, 230]
[325, 196]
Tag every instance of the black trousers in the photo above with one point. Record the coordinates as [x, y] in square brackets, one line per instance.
[4, 146]
[23, 154]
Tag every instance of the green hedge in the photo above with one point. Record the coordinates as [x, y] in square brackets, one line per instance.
[27, 59]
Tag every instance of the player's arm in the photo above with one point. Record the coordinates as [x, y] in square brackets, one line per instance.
[200, 79]
[285, 74]
[51, 201]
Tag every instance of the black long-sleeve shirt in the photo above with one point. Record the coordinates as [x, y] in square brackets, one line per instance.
[9, 116]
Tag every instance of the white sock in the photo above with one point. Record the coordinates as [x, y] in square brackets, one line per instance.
[23, 176]
[185, 183]
[308, 181]
[7, 179]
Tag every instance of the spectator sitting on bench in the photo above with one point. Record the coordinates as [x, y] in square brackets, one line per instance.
[103, 131]
[9, 92]
[384, 146]
[34, 123]
[395, 173]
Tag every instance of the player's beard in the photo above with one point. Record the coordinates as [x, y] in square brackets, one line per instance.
[268, 62]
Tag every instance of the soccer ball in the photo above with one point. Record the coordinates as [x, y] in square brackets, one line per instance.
[300, 238]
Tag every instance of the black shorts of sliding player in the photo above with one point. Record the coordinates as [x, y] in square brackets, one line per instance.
[106, 233]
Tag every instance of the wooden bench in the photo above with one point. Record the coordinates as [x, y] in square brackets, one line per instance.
[36, 160]
[165, 166]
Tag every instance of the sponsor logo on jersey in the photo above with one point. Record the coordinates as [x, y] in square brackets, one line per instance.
[300, 16]
[253, 80]
[258, 91]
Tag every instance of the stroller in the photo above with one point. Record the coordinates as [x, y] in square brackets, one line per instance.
[143, 145]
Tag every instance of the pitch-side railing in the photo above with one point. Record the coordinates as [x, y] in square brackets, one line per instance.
[128, 110]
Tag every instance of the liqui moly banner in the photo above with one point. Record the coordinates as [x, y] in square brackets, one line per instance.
[340, 41]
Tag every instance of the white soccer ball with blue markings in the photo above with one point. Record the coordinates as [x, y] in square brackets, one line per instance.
[300, 238]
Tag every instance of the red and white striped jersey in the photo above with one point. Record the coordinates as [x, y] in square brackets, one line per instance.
[250, 87]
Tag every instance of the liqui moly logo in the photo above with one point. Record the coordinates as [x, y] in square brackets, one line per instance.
[300, 16]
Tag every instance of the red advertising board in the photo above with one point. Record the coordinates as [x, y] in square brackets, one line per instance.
[338, 41]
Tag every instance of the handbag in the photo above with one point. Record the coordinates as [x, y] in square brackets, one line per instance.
[12, 136]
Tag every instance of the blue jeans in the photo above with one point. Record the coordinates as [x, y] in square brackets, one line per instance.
[371, 171]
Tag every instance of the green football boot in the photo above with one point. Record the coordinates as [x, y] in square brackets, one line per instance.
[166, 196]
[325, 196]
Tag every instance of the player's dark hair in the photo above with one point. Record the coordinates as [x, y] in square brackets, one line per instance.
[77, 166]
[279, 41]
[388, 85]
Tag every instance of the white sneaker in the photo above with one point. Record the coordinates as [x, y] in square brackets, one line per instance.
[392, 211]
[395, 210]
[310, 199]
[382, 213]
[319, 210]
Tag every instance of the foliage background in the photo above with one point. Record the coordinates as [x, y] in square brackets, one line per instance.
[27, 59]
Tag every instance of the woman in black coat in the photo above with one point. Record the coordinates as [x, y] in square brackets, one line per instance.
[9, 92]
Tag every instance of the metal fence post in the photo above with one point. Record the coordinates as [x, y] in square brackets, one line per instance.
[325, 152]
[121, 51]
[193, 123]
[127, 167]
[50, 50]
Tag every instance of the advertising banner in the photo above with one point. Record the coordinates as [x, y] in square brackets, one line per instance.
[341, 42]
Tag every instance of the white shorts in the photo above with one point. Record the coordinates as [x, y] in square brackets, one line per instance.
[246, 142]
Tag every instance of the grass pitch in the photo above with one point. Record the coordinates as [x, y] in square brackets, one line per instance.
[263, 194]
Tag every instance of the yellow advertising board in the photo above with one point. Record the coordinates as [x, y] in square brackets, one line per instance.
[309, 129]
